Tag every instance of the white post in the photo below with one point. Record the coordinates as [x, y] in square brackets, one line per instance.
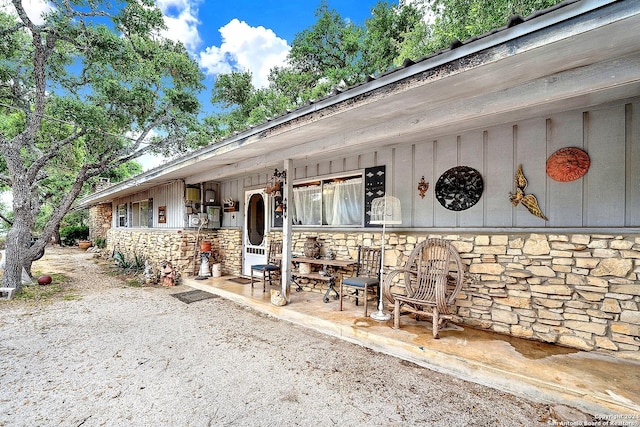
[286, 230]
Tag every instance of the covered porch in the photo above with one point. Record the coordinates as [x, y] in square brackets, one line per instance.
[593, 382]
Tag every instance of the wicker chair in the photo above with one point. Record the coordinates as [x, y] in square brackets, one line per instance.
[432, 279]
[367, 278]
[273, 264]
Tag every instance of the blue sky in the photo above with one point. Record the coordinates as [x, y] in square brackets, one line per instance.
[237, 35]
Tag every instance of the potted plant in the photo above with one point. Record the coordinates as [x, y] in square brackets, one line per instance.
[84, 244]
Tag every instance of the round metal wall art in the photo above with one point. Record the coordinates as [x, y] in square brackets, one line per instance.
[568, 164]
[459, 188]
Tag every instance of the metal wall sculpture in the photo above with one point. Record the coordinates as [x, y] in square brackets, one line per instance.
[423, 186]
[459, 188]
[568, 164]
[529, 201]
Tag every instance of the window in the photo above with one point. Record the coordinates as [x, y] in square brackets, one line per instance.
[337, 202]
[140, 214]
[122, 215]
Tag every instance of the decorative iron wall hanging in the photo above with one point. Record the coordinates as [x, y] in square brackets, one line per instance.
[529, 201]
[568, 164]
[459, 188]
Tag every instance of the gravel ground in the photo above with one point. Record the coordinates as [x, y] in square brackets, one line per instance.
[116, 355]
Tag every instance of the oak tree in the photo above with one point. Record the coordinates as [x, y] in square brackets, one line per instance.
[90, 87]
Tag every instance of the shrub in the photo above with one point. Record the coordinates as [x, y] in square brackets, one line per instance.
[71, 234]
[101, 242]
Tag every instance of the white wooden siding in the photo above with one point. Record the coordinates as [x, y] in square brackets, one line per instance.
[607, 196]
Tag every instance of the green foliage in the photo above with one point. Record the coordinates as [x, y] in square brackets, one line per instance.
[134, 264]
[388, 32]
[463, 19]
[328, 49]
[71, 234]
[59, 287]
[101, 242]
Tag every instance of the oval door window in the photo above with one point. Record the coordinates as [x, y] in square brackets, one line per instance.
[255, 219]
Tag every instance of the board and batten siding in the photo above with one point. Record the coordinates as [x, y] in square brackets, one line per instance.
[607, 196]
[170, 195]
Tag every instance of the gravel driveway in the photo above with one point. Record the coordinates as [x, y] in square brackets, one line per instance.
[117, 355]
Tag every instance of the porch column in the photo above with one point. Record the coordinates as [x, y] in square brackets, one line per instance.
[286, 230]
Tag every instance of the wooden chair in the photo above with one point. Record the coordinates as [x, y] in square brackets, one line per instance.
[367, 276]
[432, 279]
[274, 257]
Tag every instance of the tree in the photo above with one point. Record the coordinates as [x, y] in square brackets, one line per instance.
[242, 104]
[327, 50]
[463, 19]
[387, 33]
[71, 89]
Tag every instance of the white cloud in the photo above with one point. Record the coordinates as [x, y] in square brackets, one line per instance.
[34, 9]
[181, 18]
[256, 49]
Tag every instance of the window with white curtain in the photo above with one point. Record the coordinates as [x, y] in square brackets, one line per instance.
[335, 202]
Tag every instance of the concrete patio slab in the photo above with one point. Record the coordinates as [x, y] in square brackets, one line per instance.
[594, 382]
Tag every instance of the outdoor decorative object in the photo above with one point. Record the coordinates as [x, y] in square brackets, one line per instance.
[384, 210]
[422, 187]
[84, 244]
[312, 247]
[529, 201]
[45, 279]
[277, 299]
[459, 188]
[568, 164]
[168, 275]
[275, 190]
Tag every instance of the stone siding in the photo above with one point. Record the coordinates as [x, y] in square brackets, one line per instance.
[576, 290]
[100, 217]
[178, 246]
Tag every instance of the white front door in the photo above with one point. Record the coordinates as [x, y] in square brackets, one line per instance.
[255, 229]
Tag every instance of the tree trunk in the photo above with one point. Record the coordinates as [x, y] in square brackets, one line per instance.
[17, 247]
[19, 236]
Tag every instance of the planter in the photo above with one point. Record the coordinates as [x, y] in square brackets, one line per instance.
[84, 244]
[216, 270]
[312, 247]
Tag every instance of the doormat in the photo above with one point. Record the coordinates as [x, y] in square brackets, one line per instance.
[193, 296]
[240, 280]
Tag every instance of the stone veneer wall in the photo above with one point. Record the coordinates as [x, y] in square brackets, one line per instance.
[99, 221]
[577, 290]
[177, 247]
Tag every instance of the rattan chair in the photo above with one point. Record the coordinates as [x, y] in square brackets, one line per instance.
[367, 278]
[274, 258]
[432, 279]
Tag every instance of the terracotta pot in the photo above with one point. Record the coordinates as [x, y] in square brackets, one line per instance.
[84, 244]
[205, 246]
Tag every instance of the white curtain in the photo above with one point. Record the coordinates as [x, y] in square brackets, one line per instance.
[343, 202]
[307, 202]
